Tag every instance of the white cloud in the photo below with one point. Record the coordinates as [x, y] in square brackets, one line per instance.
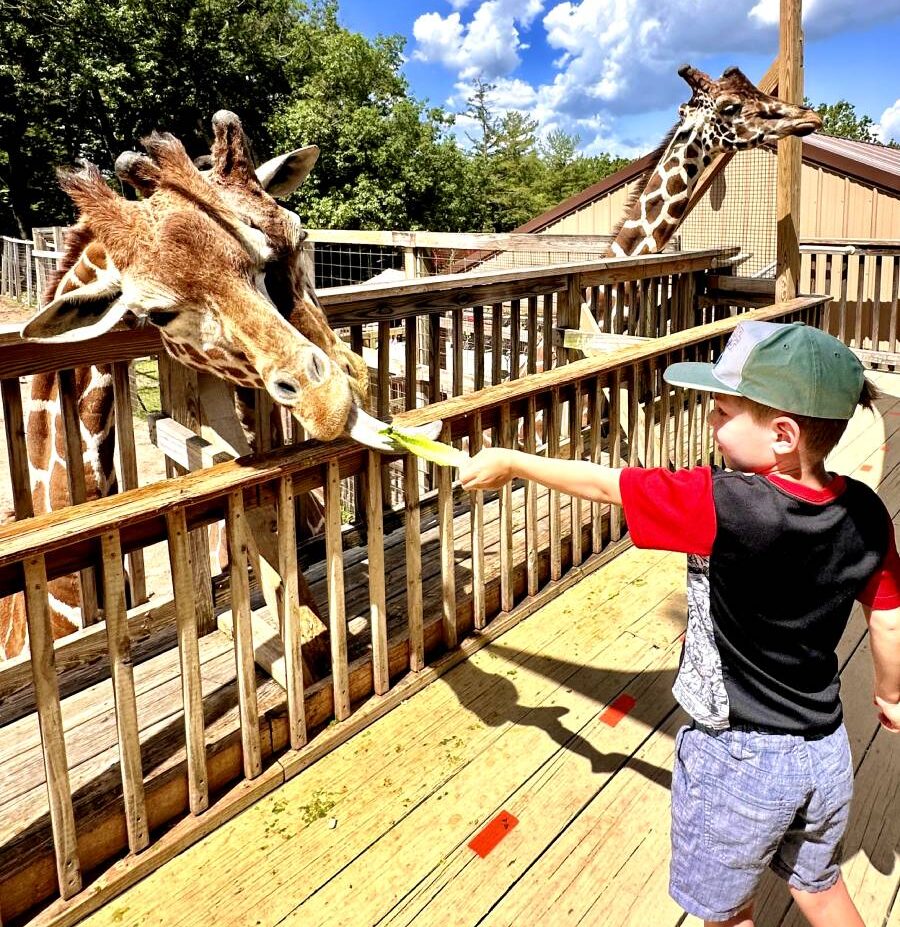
[826, 17]
[889, 125]
[616, 58]
[489, 44]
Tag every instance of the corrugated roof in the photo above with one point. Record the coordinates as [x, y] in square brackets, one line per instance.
[862, 161]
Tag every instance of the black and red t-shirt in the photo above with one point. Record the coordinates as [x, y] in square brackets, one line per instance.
[773, 571]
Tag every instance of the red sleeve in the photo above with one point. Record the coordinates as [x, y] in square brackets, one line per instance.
[670, 511]
[883, 589]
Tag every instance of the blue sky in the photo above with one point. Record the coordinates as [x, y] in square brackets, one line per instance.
[605, 70]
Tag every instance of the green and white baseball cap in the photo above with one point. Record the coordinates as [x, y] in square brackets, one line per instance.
[792, 368]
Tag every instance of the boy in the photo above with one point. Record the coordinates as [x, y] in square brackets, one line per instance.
[778, 550]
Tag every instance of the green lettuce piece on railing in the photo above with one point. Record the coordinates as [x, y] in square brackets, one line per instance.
[435, 451]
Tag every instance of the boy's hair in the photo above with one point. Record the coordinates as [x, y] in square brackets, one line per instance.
[819, 435]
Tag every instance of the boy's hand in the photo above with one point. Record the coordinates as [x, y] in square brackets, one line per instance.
[488, 469]
[888, 715]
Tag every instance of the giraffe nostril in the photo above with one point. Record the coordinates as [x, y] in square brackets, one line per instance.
[318, 367]
[284, 389]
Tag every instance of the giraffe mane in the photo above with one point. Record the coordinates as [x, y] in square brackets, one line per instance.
[638, 186]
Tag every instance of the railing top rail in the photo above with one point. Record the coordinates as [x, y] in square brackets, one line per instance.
[46, 533]
[17, 241]
[851, 245]
[466, 241]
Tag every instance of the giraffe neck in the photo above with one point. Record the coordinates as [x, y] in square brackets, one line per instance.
[46, 441]
[655, 214]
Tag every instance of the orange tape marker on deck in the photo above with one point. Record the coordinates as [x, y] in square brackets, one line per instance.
[619, 708]
[865, 468]
[485, 841]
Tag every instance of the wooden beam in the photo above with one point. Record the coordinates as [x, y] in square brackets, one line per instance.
[790, 155]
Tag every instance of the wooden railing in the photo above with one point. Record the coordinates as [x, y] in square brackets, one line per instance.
[617, 410]
[862, 279]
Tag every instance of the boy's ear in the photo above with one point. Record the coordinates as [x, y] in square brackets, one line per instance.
[786, 434]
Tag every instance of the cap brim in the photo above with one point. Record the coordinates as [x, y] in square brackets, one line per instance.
[696, 376]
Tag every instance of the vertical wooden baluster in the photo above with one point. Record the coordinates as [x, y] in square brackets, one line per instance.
[411, 361]
[377, 596]
[77, 485]
[634, 424]
[548, 332]
[531, 508]
[179, 391]
[647, 315]
[384, 399]
[595, 397]
[180, 557]
[476, 436]
[604, 318]
[665, 319]
[413, 538]
[448, 562]
[122, 673]
[434, 373]
[478, 323]
[813, 273]
[876, 304]
[515, 338]
[649, 437]
[621, 308]
[356, 339]
[289, 619]
[552, 439]
[665, 414]
[828, 268]
[615, 446]
[128, 469]
[457, 323]
[236, 527]
[53, 745]
[860, 298]
[895, 288]
[496, 342]
[532, 334]
[337, 608]
[842, 304]
[692, 438]
[17, 451]
[576, 449]
[506, 520]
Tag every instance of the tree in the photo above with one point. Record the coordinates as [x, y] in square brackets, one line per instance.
[840, 121]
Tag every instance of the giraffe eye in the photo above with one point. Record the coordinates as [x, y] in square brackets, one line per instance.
[161, 318]
[730, 109]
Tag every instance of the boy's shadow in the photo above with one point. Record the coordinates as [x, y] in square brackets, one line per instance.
[503, 707]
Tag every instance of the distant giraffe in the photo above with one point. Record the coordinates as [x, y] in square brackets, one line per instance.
[728, 114]
[213, 262]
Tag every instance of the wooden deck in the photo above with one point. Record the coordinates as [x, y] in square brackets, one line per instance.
[378, 831]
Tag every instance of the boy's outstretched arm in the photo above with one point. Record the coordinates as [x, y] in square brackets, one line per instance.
[884, 638]
[495, 466]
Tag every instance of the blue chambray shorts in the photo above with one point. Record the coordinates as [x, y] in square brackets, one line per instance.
[743, 801]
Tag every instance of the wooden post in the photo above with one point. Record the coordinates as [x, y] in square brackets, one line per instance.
[790, 89]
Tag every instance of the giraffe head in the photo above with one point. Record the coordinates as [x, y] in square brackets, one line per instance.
[214, 262]
[732, 114]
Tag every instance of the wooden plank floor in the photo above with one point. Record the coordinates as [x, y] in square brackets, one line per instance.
[378, 831]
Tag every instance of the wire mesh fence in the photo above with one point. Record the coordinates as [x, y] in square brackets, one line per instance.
[749, 180]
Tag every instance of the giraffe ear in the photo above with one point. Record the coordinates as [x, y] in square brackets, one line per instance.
[282, 175]
[87, 303]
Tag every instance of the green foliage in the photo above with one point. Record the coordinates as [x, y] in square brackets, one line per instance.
[89, 78]
[841, 121]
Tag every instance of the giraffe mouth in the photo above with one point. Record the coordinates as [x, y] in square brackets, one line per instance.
[369, 431]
